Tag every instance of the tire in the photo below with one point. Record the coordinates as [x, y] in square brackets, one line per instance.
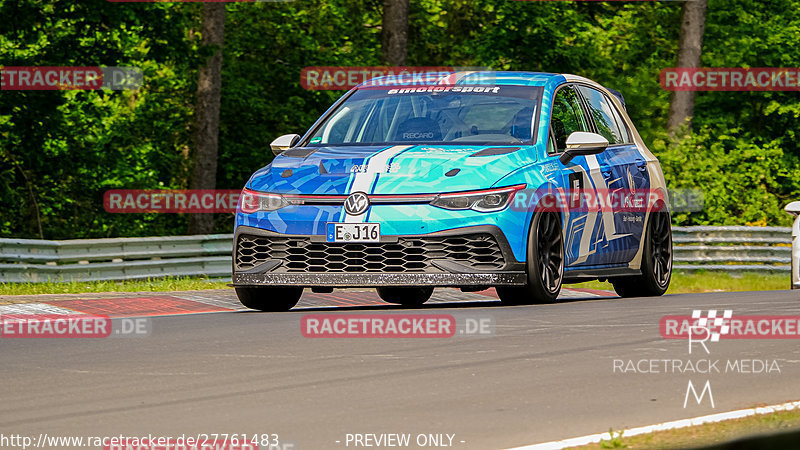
[406, 296]
[656, 261]
[545, 266]
[273, 299]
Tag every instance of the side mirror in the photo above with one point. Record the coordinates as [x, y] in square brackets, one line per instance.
[284, 143]
[793, 208]
[583, 143]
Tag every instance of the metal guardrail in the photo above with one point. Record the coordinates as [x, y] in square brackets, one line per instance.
[732, 248]
[27, 260]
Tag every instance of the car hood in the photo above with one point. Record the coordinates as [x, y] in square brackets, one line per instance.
[388, 170]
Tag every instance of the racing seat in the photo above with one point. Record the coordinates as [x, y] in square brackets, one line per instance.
[418, 129]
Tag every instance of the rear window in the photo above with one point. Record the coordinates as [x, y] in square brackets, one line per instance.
[605, 116]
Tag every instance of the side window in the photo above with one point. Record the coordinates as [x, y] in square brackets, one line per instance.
[567, 117]
[623, 129]
[603, 113]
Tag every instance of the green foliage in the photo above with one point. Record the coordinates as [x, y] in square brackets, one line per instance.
[745, 180]
[63, 149]
[616, 440]
[166, 284]
[60, 150]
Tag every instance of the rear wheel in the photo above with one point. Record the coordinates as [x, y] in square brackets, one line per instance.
[406, 296]
[656, 261]
[545, 263]
[269, 298]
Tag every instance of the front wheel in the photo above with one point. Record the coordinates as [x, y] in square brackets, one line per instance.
[406, 296]
[656, 261]
[545, 263]
[272, 299]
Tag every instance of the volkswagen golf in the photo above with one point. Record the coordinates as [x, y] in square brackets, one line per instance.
[512, 180]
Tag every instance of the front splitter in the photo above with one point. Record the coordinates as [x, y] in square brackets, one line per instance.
[379, 279]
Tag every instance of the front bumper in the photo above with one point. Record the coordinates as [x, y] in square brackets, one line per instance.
[470, 256]
[379, 279]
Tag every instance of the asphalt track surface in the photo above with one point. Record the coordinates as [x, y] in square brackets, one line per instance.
[545, 374]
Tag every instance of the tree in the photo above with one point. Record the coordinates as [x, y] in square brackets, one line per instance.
[394, 36]
[690, 48]
[209, 95]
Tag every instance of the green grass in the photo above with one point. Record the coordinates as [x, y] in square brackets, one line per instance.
[707, 434]
[682, 282]
[712, 281]
[75, 287]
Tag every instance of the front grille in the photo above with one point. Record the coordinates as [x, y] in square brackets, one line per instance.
[479, 251]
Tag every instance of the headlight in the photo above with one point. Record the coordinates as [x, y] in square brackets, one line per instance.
[252, 201]
[489, 200]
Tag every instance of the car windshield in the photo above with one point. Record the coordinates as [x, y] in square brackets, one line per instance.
[478, 115]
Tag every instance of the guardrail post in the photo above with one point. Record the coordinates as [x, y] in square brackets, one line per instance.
[794, 209]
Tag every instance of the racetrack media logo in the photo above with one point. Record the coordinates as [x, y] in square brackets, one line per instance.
[69, 78]
[703, 331]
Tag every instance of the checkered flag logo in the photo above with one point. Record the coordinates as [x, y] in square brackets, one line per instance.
[715, 325]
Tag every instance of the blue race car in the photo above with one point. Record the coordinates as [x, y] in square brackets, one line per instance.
[513, 180]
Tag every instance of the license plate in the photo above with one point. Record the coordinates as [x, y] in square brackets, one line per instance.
[354, 232]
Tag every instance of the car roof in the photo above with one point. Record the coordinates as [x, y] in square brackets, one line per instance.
[495, 78]
[470, 77]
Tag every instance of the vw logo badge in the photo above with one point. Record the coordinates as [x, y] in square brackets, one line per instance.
[356, 203]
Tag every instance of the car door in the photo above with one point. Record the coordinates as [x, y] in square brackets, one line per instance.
[581, 175]
[624, 172]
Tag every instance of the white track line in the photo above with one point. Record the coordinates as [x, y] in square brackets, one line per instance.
[683, 423]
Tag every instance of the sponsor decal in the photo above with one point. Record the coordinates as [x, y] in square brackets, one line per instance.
[418, 135]
[388, 168]
[445, 88]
